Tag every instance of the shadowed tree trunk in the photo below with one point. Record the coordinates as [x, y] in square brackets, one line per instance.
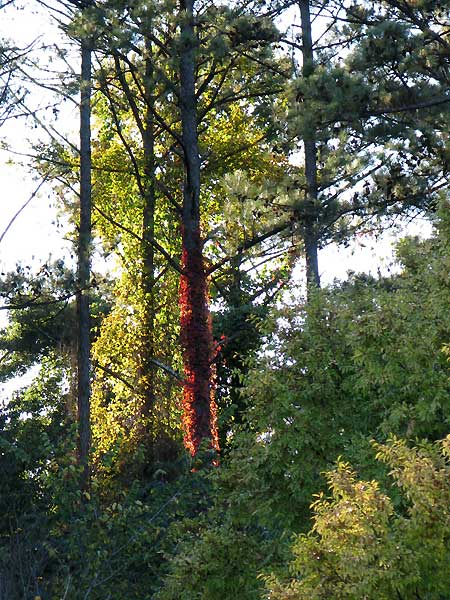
[147, 375]
[310, 233]
[84, 268]
[199, 406]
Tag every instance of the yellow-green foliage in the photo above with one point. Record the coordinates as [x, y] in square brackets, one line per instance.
[361, 547]
[117, 402]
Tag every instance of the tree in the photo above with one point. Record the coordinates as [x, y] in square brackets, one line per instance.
[310, 157]
[6, 71]
[347, 367]
[124, 85]
[9, 57]
[41, 317]
[362, 546]
[196, 332]
[357, 98]
[36, 442]
[362, 359]
[84, 257]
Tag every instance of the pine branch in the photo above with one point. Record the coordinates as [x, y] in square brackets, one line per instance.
[248, 244]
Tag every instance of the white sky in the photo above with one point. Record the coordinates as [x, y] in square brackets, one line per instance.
[35, 233]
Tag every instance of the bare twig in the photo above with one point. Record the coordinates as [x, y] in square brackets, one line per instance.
[21, 209]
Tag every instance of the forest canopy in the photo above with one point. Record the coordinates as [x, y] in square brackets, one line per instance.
[196, 413]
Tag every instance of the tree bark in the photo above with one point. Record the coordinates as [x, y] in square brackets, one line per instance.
[199, 405]
[147, 375]
[310, 233]
[84, 269]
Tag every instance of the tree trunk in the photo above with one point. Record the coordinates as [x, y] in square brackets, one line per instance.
[199, 407]
[84, 269]
[147, 375]
[310, 233]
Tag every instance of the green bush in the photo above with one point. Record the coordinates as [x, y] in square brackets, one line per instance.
[360, 547]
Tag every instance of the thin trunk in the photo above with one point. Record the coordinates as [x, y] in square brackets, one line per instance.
[147, 375]
[84, 269]
[310, 236]
[232, 357]
[199, 406]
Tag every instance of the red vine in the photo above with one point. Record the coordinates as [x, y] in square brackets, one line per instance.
[199, 405]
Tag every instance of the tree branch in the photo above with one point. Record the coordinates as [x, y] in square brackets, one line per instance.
[250, 244]
[173, 263]
[22, 208]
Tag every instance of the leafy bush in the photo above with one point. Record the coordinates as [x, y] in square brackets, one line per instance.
[361, 548]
